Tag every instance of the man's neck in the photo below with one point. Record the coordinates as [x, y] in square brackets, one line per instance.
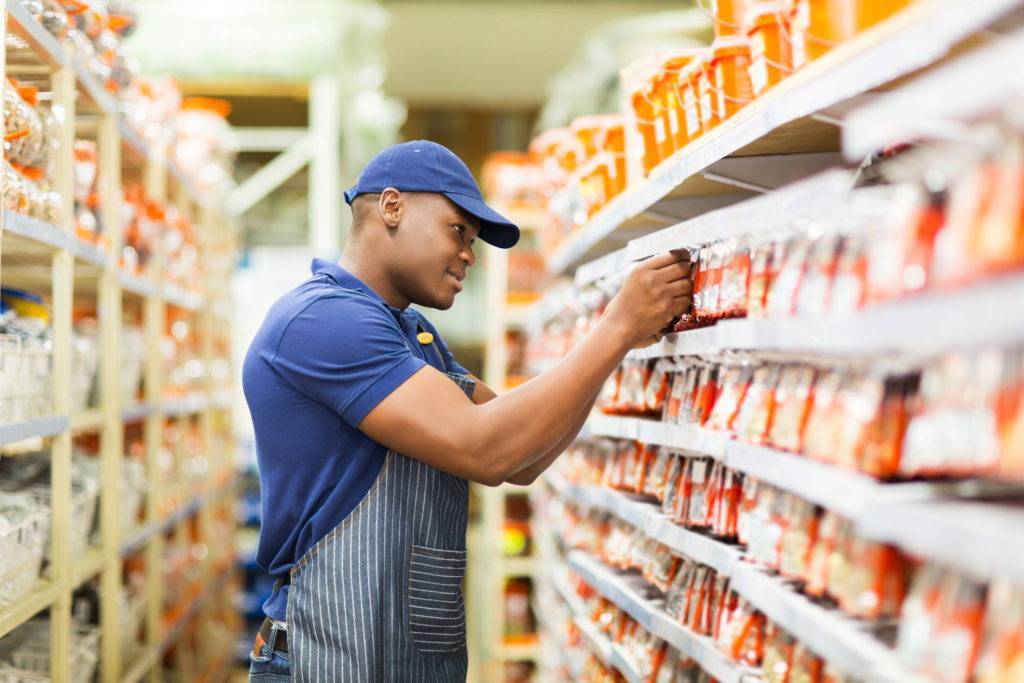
[373, 276]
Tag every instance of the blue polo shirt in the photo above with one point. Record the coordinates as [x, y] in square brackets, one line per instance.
[327, 353]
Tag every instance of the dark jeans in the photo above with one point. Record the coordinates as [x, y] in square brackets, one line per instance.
[269, 666]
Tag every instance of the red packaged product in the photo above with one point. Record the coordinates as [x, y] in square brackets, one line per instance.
[799, 536]
[778, 655]
[706, 393]
[1002, 654]
[656, 389]
[849, 288]
[792, 406]
[758, 408]
[816, 286]
[735, 280]
[925, 225]
[781, 299]
[733, 388]
[822, 432]
[765, 261]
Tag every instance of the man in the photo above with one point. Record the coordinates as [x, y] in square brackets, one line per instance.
[368, 431]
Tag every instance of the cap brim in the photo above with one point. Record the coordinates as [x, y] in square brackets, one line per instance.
[494, 228]
[351, 194]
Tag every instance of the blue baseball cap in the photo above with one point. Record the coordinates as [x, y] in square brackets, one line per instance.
[424, 166]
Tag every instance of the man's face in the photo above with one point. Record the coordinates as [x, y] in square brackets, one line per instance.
[434, 250]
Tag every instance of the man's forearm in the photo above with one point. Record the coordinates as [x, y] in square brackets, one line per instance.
[528, 475]
[519, 428]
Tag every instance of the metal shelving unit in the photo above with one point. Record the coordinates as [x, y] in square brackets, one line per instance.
[70, 271]
[763, 166]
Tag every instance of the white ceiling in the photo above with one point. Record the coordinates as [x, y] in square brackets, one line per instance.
[489, 54]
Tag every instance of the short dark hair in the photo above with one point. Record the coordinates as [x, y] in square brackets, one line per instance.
[361, 207]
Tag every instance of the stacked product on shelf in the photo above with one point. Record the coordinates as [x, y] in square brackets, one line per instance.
[115, 429]
[817, 474]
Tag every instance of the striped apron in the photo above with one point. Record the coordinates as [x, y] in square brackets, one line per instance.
[379, 598]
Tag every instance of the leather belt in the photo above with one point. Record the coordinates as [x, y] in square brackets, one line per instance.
[275, 636]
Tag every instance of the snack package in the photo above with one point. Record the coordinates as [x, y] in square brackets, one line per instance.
[813, 296]
[799, 535]
[779, 650]
[781, 297]
[1002, 653]
[758, 408]
[792, 407]
[735, 279]
[734, 383]
[705, 394]
[849, 287]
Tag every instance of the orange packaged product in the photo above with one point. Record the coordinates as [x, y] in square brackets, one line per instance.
[760, 279]
[734, 382]
[1002, 654]
[689, 83]
[707, 95]
[771, 50]
[871, 12]
[799, 536]
[728, 16]
[998, 242]
[642, 102]
[822, 431]
[730, 61]
[1010, 418]
[758, 408]
[832, 530]
[608, 399]
[705, 395]
[925, 226]
[883, 451]
[849, 287]
[792, 407]
[656, 389]
[735, 280]
[877, 582]
[860, 406]
[782, 295]
[828, 23]
[614, 145]
[953, 263]
[675, 397]
[779, 649]
[813, 299]
[668, 100]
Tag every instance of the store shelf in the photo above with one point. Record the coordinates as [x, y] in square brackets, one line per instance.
[186, 405]
[87, 566]
[136, 412]
[916, 327]
[175, 295]
[647, 517]
[138, 286]
[41, 596]
[88, 420]
[843, 491]
[94, 91]
[611, 654]
[605, 266]
[627, 590]
[843, 641]
[923, 108]
[983, 539]
[26, 234]
[135, 540]
[781, 121]
[41, 43]
[38, 428]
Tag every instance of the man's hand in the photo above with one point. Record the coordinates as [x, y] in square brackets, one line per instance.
[654, 294]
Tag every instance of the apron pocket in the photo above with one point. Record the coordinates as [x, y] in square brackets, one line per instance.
[437, 616]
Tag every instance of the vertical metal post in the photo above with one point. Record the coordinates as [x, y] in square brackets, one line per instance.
[112, 431]
[62, 295]
[325, 166]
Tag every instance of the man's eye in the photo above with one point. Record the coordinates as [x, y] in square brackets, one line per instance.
[461, 229]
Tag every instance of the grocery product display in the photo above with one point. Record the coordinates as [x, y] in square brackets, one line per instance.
[116, 449]
[816, 475]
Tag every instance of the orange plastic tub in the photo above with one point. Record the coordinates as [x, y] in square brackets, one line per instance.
[643, 109]
[829, 23]
[796, 15]
[661, 90]
[771, 52]
[615, 147]
[707, 95]
[672, 67]
[730, 62]
[689, 89]
[871, 12]
[728, 16]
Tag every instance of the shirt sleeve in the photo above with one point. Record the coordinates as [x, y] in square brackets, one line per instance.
[346, 352]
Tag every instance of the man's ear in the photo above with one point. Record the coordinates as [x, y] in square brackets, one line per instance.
[391, 205]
